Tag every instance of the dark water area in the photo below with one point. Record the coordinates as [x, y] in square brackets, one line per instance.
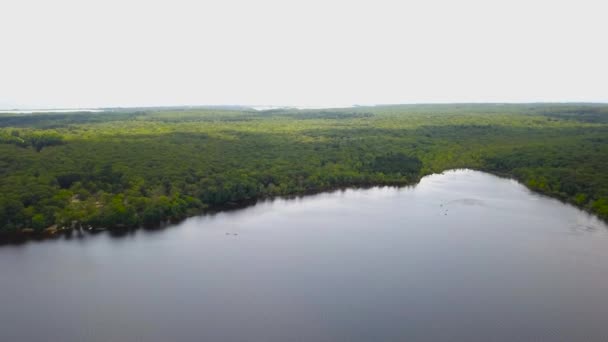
[462, 256]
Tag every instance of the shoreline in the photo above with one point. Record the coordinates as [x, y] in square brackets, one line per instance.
[18, 238]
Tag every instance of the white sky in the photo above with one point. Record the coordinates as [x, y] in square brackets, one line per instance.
[64, 53]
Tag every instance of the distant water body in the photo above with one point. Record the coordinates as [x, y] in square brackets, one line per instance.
[462, 256]
[262, 108]
[34, 111]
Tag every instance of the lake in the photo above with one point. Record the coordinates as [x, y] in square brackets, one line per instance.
[35, 111]
[462, 256]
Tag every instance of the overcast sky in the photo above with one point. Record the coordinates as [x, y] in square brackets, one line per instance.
[64, 53]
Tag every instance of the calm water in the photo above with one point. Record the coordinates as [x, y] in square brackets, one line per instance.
[463, 256]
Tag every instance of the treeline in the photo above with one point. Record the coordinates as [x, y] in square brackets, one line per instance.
[102, 196]
[570, 173]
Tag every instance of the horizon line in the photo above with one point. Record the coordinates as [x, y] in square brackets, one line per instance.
[303, 107]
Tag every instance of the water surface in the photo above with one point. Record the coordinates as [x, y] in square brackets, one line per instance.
[35, 111]
[462, 256]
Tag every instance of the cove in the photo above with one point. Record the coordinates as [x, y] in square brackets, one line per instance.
[462, 256]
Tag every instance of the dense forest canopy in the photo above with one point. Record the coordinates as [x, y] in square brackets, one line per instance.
[127, 168]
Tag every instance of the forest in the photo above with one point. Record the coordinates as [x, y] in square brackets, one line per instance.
[128, 168]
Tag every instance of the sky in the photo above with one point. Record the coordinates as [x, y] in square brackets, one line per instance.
[109, 53]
